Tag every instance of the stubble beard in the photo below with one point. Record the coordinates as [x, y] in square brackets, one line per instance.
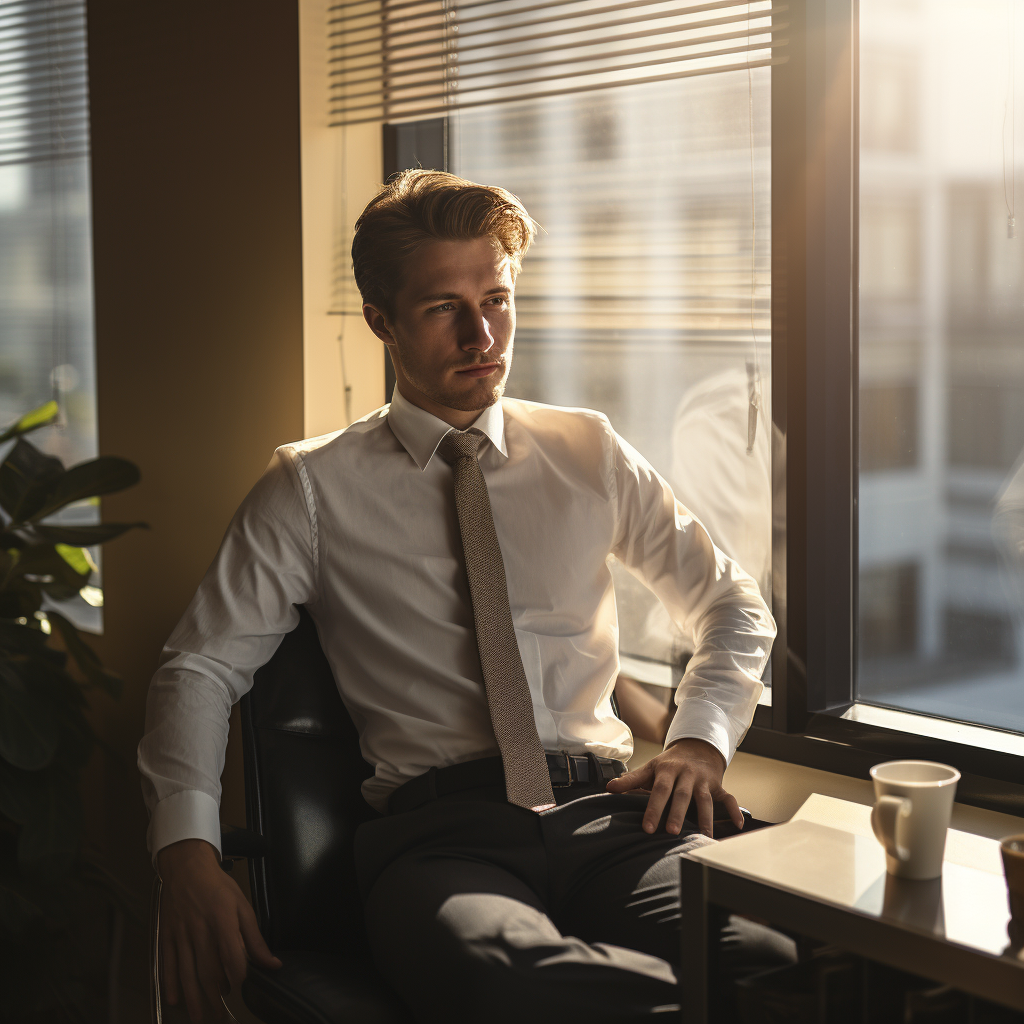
[475, 400]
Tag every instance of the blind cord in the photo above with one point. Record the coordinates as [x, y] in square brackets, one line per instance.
[1011, 105]
[753, 369]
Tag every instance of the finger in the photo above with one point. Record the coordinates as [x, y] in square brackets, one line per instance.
[642, 778]
[661, 791]
[733, 807]
[232, 951]
[680, 804]
[705, 809]
[169, 963]
[257, 948]
[211, 976]
[189, 981]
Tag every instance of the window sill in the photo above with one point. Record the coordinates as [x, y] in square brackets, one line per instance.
[848, 740]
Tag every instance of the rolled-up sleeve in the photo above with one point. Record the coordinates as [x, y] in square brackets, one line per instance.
[244, 606]
[707, 595]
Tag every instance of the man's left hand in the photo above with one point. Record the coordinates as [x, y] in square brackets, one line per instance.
[688, 768]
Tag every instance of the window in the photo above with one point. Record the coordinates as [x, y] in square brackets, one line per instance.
[46, 315]
[941, 629]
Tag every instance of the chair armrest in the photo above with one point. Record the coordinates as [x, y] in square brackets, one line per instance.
[236, 843]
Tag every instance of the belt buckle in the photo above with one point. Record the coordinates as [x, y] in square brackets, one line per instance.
[568, 772]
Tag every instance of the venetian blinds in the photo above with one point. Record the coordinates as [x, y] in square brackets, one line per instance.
[43, 84]
[394, 60]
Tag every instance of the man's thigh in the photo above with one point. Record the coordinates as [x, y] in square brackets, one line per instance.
[464, 940]
[611, 881]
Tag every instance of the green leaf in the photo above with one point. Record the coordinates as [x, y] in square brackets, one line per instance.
[27, 640]
[28, 728]
[43, 564]
[86, 536]
[27, 478]
[104, 475]
[77, 558]
[31, 421]
[84, 656]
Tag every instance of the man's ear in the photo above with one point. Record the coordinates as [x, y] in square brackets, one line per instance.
[377, 322]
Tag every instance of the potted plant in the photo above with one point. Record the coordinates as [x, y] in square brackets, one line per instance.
[46, 674]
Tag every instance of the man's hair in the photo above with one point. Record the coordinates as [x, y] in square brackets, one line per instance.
[419, 206]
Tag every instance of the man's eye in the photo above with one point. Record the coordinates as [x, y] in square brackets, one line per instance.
[443, 308]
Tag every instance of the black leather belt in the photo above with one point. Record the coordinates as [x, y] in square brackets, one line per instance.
[566, 770]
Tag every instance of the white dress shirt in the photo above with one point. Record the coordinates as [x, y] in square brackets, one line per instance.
[360, 527]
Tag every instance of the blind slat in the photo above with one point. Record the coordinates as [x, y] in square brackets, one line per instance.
[43, 82]
[574, 26]
[559, 77]
[504, 52]
[562, 62]
[690, 73]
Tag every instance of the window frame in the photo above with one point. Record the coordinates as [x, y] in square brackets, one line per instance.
[815, 375]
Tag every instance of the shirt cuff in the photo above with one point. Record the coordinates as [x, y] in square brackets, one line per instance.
[190, 814]
[701, 720]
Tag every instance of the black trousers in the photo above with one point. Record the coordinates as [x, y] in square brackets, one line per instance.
[478, 910]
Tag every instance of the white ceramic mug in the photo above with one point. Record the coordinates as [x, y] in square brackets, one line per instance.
[913, 804]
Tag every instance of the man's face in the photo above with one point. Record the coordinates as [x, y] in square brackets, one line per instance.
[451, 334]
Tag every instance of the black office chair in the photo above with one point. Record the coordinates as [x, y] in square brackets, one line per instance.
[303, 773]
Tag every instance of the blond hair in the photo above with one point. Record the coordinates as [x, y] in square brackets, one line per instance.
[418, 206]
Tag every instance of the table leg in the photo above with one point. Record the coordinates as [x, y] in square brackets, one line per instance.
[694, 959]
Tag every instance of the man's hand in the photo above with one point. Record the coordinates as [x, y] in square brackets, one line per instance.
[206, 929]
[688, 768]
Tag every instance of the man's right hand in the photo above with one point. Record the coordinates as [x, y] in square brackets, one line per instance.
[208, 930]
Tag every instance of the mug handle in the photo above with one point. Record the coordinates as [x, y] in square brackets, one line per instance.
[885, 818]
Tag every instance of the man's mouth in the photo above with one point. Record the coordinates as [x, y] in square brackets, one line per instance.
[478, 370]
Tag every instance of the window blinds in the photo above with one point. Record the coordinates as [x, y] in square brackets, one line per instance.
[44, 111]
[394, 60]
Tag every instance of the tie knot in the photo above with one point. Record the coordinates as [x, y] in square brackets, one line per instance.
[459, 444]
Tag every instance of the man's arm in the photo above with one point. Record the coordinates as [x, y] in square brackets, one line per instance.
[243, 608]
[713, 600]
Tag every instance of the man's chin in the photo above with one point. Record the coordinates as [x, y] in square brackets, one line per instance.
[472, 401]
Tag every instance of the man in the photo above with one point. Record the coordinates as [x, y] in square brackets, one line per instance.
[452, 549]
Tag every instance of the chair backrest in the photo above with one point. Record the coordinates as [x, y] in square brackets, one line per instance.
[303, 772]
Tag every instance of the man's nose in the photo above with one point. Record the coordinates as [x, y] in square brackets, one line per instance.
[475, 333]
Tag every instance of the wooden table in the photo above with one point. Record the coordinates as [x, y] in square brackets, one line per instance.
[822, 874]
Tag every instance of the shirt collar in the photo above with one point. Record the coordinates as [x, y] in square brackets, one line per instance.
[420, 432]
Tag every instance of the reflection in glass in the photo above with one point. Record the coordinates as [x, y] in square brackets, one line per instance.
[941, 405]
[647, 293]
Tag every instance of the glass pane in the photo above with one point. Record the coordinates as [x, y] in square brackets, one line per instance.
[647, 293]
[941, 605]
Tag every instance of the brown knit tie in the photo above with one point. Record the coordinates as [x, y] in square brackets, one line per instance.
[527, 780]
